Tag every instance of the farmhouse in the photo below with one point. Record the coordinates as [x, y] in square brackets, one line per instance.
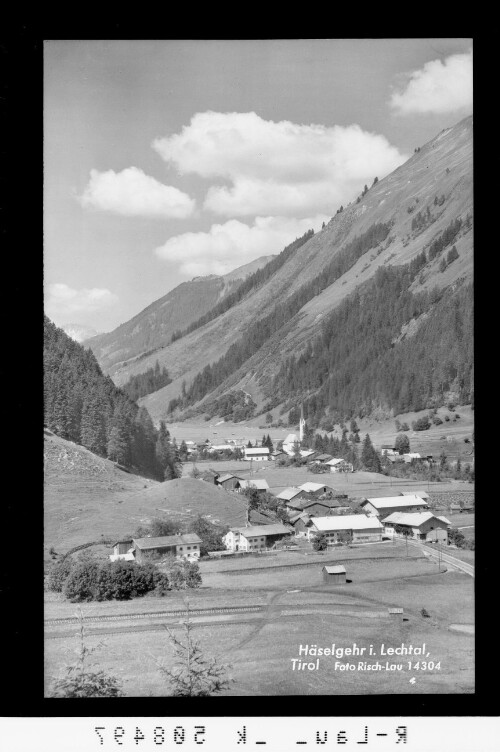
[423, 525]
[227, 481]
[360, 526]
[335, 575]
[185, 546]
[384, 506]
[411, 456]
[256, 453]
[260, 484]
[339, 465]
[255, 537]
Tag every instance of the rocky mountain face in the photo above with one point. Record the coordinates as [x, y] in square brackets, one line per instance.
[125, 350]
[408, 216]
[79, 332]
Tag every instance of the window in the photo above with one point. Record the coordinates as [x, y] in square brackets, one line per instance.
[189, 548]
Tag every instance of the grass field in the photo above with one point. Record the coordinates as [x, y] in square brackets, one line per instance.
[260, 649]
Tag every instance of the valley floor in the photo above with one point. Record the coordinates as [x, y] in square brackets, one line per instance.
[282, 603]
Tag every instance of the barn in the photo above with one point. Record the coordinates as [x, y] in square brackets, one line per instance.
[185, 546]
[385, 505]
[335, 575]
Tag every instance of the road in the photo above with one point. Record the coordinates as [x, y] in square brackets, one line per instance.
[434, 553]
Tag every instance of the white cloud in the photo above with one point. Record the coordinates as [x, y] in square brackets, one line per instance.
[225, 247]
[62, 303]
[438, 87]
[133, 193]
[277, 168]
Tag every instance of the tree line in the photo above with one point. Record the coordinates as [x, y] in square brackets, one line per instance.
[83, 405]
[147, 382]
[260, 332]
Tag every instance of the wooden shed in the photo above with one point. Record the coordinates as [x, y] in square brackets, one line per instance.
[335, 575]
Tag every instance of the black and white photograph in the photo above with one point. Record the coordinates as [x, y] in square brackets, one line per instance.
[258, 368]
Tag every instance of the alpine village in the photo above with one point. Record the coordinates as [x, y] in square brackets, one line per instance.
[266, 472]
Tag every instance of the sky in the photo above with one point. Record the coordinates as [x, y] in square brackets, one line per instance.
[167, 160]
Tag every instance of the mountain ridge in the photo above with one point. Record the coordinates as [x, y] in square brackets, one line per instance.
[419, 200]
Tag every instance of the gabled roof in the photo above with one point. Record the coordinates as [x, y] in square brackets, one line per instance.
[422, 494]
[396, 501]
[346, 522]
[337, 569]
[256, 450]
[413, 519]
[288, 493]
[166, 541]
[310, 487]
[323, 457]
[260, 484]
[304, 503]
[253, 530]
[337, 460]
[301, 516]
[223, 478]
[125, 540]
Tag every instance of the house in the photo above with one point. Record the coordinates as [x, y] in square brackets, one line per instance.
[388, 449]
[258, 483]
[227, 481]
[411, 456]
[320, 459]
[454, 507]
[384, 506]
[186, 546]
[360, 526]
[307, 453]
[277, 455]
[256, 453]
[255, 537]
[315, 507]
[339, 465]
[300, 524]
[423, 525]
[122, 550]
[289, 493]
[314, 489]
[335, 575]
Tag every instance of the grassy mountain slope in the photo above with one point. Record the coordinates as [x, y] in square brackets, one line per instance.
[154, 326]
[87, 497]
[420, 199]
[438, 178]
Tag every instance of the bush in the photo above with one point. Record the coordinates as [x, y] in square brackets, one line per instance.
[404, 427]
[436, 420]
[81, 583]
[184, 574]
[320, 542]
[422, 424]
[59, 573]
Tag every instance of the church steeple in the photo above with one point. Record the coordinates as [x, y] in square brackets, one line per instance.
[302, 424]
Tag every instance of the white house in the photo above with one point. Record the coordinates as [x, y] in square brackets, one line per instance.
[256, 453]
[255, 537]
[384, 506]
[361, 526]
[339, 465]
[421, 525]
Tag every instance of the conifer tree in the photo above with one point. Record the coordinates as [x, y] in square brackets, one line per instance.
[369, 457]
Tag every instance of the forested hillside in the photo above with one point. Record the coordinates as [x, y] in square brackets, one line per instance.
[84, 406]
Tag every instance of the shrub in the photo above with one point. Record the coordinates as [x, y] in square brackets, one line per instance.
[184, 574]
[404, 427]
[422, 424]
[447, 418]
[81, 582]
[436, 420]
[59, 573]
[320, 542]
